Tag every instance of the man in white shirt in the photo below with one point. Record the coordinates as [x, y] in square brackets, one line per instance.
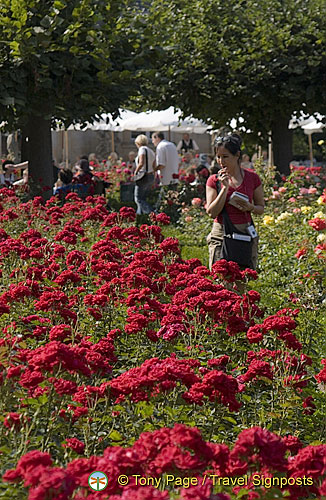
[187, 144]
[167, 159]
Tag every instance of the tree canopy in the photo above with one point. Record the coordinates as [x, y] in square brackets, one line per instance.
[257, 61]
[68, 60]
[71, 58]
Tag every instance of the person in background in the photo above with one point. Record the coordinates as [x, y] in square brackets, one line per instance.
[167, 159]
[187, 144]
[63, 185]
[131, 164]
[92, 158]
[255, 157]
[83, 173]
[145, 164]
[7, 177]
[219, 188]
[245, 161]
[188, 160]
[113, 159]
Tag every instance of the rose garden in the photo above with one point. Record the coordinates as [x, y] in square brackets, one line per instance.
[130, 370]
[121, 352]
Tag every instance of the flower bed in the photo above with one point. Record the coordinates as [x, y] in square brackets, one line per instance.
[118, 355]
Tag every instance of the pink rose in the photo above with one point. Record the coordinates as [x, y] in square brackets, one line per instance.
[196, 202]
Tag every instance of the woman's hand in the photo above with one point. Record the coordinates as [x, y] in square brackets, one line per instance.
[245, 206]
[223, 177]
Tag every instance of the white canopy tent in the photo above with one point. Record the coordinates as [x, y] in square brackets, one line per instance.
[167, 120]
[310, 125]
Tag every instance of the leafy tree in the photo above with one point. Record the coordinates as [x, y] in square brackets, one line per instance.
[66, 60]
[254, 61]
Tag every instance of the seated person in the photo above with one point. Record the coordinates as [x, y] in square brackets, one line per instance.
[93, 161]
[64, 183]
[188, 159]
[83, 173]
[131, 164]
[7, 177]
[82, 181]
[113, 159]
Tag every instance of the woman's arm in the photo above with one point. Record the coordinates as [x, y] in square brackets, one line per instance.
[215, 202]
[140, 163]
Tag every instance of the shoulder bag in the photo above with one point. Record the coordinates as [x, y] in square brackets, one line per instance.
[142, 174]
[237, 245]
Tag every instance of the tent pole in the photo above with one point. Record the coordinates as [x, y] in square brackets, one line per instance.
[270, 150]
[67, 148]
[62, 145]
[112, 140]
[310, 150]
[169, 133]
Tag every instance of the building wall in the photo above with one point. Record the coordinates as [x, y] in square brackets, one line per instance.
[100, 143]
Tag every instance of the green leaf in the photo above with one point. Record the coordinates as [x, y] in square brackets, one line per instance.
[115, 436]
[231, 420]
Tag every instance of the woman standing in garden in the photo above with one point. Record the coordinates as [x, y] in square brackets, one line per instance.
[233, 236]
[144, 174]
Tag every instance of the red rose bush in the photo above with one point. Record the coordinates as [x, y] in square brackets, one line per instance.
[118, 355]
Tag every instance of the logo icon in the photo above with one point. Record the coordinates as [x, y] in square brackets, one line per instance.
[97, 480]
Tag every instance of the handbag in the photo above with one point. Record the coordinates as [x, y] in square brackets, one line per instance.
[142, 174]
[237, 245]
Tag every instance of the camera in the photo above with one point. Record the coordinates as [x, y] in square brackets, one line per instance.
[252, 231]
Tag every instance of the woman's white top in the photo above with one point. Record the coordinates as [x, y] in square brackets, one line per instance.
[150, 156]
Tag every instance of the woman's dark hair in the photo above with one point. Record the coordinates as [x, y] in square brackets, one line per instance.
[84, 165]
[5, 163]
[65, 176]
[230, 142]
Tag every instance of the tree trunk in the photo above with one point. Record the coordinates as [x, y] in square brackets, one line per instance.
[39, 156]
[282, 138]
[24, 147]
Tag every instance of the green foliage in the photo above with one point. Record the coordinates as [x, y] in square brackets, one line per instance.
[250, 59]
[257, 62]
[67, 60]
